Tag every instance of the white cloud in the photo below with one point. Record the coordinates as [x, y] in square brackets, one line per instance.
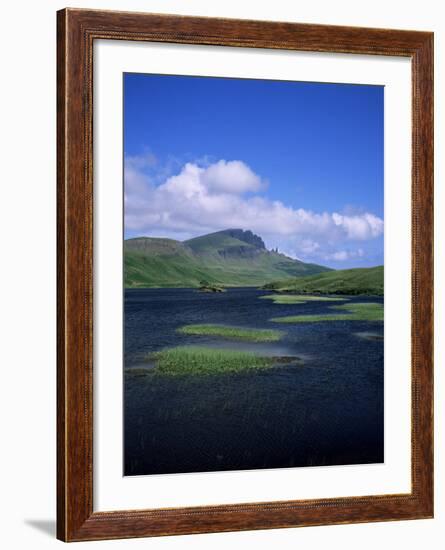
[231, 177]
[342, 255]
[225, 194]
[307, 246]
[363, 226]
[339, 256]
[139, 162]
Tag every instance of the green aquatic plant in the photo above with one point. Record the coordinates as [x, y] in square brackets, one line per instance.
[184, 360]
[363, 311]
[299, 298]
[233, 333]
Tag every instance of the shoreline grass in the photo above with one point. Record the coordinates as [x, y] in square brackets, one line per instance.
[363, 311]
[185, 360]
[353, 282]
[234, 333]
[299, 298]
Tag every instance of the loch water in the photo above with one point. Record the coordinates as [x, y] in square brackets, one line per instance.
[324, 408]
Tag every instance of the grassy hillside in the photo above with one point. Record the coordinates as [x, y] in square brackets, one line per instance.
[231, 242]
[345, 281]
[232, 258]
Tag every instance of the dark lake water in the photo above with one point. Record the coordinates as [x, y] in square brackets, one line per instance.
[324, 410]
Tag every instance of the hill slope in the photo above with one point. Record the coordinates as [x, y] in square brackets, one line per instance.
[345, 281]
[232, 257]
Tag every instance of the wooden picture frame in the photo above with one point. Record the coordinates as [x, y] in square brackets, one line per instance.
[77, 31]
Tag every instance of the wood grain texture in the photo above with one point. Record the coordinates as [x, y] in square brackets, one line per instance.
[76, 32]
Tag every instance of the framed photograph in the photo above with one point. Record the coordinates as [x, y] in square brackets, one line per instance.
[245, 231]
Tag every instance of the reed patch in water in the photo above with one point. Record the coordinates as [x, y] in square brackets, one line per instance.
[233, 333]
[184, 360]
[366, 311]
[299, 298]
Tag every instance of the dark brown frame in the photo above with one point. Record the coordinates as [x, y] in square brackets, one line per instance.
[77, 30]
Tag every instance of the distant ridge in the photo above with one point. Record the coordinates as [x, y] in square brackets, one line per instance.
[245, 236]
[232, 257]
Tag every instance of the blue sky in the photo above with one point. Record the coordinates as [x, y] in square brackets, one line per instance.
[299, 163]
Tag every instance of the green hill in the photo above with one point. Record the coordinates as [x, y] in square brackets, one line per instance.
[236, 242]
[345, 281]
[233, 257]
